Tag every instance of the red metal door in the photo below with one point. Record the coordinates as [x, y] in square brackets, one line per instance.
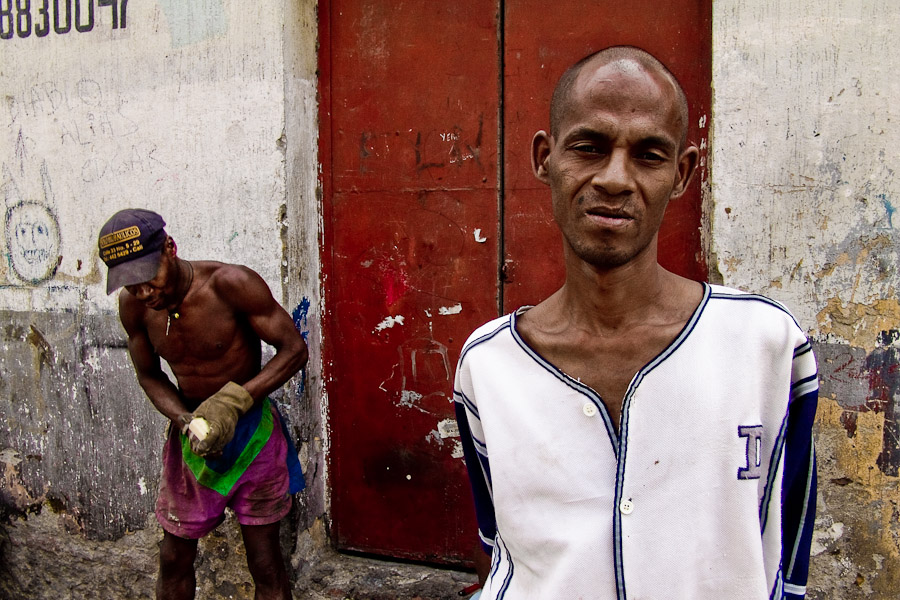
[413, 170]
[411, 257]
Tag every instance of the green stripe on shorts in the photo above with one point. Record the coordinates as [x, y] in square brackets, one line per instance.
[223, 482]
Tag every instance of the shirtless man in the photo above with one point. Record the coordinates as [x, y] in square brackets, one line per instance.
[636, 434]
[206, 320]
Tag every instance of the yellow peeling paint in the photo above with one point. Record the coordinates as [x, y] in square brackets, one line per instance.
[829, 268]
[865, 505]
[15, 491]
[854, 457]
[880, 245]
[732, 263]
[859, 324]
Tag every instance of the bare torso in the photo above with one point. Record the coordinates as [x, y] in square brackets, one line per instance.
[209, 343]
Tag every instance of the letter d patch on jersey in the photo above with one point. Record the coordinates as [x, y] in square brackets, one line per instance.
[753, 433]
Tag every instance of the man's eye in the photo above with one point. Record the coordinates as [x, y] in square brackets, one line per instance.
[586, 148]
[652, 157]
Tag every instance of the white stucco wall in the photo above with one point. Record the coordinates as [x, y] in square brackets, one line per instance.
[181, 111]
[205, 111]
[202, 110]
[805, 147]
[802, 208]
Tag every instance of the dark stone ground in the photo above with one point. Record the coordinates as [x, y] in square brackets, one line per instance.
[45, 556]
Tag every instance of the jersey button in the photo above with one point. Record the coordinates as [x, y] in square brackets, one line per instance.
[589, 409]
[626, 506]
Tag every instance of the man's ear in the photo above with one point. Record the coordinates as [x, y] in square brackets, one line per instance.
[541, 145]
[171, 246]
[687, 164]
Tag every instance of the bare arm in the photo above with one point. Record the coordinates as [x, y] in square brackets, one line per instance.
[249, 295]
[155, 383]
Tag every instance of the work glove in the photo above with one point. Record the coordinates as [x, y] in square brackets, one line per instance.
[221, 411]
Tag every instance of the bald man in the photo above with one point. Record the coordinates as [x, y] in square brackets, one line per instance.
[637, 434]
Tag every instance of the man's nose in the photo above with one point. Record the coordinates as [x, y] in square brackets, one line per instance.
[142, 291]
[614, 174]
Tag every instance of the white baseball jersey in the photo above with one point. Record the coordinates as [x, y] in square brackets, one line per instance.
[707, 490]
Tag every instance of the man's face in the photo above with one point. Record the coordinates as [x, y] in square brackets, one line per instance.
[156, 293]
[614, 163]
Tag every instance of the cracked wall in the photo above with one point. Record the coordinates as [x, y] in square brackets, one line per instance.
[204, 112]
[803, 209]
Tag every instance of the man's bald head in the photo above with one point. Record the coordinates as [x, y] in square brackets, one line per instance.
[628, 56]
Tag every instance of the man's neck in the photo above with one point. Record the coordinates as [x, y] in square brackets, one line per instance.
[185, 277]
[607, 299]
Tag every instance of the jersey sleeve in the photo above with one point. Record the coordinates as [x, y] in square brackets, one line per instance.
[799, 479]
[475, 452]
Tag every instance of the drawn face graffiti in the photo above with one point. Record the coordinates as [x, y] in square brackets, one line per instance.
[32, 241]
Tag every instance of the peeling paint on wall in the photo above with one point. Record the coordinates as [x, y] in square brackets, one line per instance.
[803, 209]
[192, 22]
[389, 322]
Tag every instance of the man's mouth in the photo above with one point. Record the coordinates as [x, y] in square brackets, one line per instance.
[608, 216]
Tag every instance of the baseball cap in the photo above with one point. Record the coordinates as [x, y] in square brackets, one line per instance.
[130, 244]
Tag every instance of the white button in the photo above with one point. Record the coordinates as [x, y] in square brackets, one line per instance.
[589, 409]
[626, 506]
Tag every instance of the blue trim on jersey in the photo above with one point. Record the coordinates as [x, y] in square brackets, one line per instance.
[571, 382]
[623, 432]
[679, 339]
[802, 349]
[807, 496]
[459, 396]
[805, 386]
[482, 493]
[777, 592]
[509, 574]
[794, 591]
[757, 298]
[496, 557]
[798, 494]
[774, 463]
[482, 339]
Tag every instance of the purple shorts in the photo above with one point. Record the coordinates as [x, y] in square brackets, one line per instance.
[255, 487]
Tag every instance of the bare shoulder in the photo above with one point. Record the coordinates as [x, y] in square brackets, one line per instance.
[237, 285]
[131, 311]
[542, 317]
[684, 297]
[227, 274]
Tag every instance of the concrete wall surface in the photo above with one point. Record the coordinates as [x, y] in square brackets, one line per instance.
[203, 112]
[804, 148]
[206, 112]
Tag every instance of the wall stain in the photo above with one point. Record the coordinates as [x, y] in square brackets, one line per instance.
[44, 349]
[862, 383]
[860, 325]
[300, 316]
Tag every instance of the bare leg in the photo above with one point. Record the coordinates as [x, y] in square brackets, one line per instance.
[176, 579]
[265, 562]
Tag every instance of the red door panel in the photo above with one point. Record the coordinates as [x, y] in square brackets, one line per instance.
[415, 227]
[411, 263]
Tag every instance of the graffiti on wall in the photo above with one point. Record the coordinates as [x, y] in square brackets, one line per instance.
[32, 233]
[32, 241]
[22, 18]
[863, 383]
[84, 119]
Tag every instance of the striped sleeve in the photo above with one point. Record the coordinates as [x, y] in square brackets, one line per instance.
[799, 485]
[476, 456]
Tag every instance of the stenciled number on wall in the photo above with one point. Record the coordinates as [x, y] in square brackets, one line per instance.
[24, 17]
